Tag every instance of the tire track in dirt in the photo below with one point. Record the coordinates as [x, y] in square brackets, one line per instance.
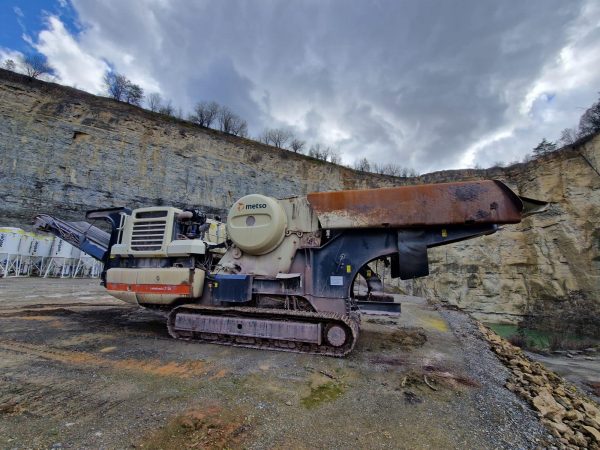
[185, 369]
[68, 400]
[56, 308]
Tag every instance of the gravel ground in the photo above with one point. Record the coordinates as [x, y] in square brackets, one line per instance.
[81, 370]
[517, 425]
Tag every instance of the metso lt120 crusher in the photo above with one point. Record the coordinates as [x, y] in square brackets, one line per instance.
[279, 274]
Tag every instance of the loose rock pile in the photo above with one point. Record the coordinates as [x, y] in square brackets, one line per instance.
[569, 415]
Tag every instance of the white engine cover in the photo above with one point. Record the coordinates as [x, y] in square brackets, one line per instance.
[257, 224]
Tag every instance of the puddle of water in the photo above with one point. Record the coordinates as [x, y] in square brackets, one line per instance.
[536, 338]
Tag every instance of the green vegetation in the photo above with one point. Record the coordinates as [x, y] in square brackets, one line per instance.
[541, 340]
[533, 338]
[322, 393]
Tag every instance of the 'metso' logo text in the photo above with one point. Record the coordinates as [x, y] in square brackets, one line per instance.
[256, 206]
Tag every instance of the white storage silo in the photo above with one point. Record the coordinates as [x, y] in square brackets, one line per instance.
[87, 267]
[63, 259]
[41, 246]
[24, 254]
[61, 249]
[10, 239]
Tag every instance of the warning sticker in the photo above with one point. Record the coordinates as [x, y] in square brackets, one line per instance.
[336, 280]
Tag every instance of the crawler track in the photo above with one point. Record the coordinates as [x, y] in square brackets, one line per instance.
[348, 323]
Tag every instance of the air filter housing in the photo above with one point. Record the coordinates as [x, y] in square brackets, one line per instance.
[256, 224]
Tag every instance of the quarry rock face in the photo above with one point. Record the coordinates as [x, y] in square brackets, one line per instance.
[548, 266]
[63, 151]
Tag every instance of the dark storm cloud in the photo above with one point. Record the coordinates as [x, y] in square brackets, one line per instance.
[415, 83]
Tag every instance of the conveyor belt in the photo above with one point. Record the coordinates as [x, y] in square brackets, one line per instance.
[83, 235]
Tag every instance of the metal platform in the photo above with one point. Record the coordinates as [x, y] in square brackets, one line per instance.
[380, 308]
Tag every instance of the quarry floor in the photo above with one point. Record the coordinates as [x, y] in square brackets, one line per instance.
[79, 369]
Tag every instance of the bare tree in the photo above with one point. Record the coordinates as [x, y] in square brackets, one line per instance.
[589, 123]
[36, 65]
[276, 137]
[297, 145]
[134, 94]
[167, 108]
[116, 85]
[396, 171]
[240, 127]
[335, 157]
[568, 136]
[230, 122]
[120, 88]
[391, 169]
[154, 101]
[386, 169]
[377, 168]
[543, 148]
[362, 165]
[226, 118]
[320, 152]
[9, 64]
[205, 113]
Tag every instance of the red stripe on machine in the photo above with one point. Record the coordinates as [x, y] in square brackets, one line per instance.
[181, 289]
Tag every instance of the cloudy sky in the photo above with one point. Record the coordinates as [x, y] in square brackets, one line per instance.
[426, 84]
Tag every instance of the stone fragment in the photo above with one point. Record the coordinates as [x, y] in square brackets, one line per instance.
[563, 401]
[590, 409]
[595, 434]
[548, 407]
[559, 427]
[573, 414]
[535, 379]
[578, 439]
[592, 422]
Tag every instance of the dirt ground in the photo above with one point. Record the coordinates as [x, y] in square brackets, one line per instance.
[80, 369]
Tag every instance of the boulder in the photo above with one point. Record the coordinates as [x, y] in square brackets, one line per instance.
[548, 407]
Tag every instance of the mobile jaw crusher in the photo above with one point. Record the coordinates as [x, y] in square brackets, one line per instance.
[279, 273]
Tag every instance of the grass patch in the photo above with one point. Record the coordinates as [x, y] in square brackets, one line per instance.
[323, 393]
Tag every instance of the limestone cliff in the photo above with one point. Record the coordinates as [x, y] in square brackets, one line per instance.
[64, 151]
[547, 267]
